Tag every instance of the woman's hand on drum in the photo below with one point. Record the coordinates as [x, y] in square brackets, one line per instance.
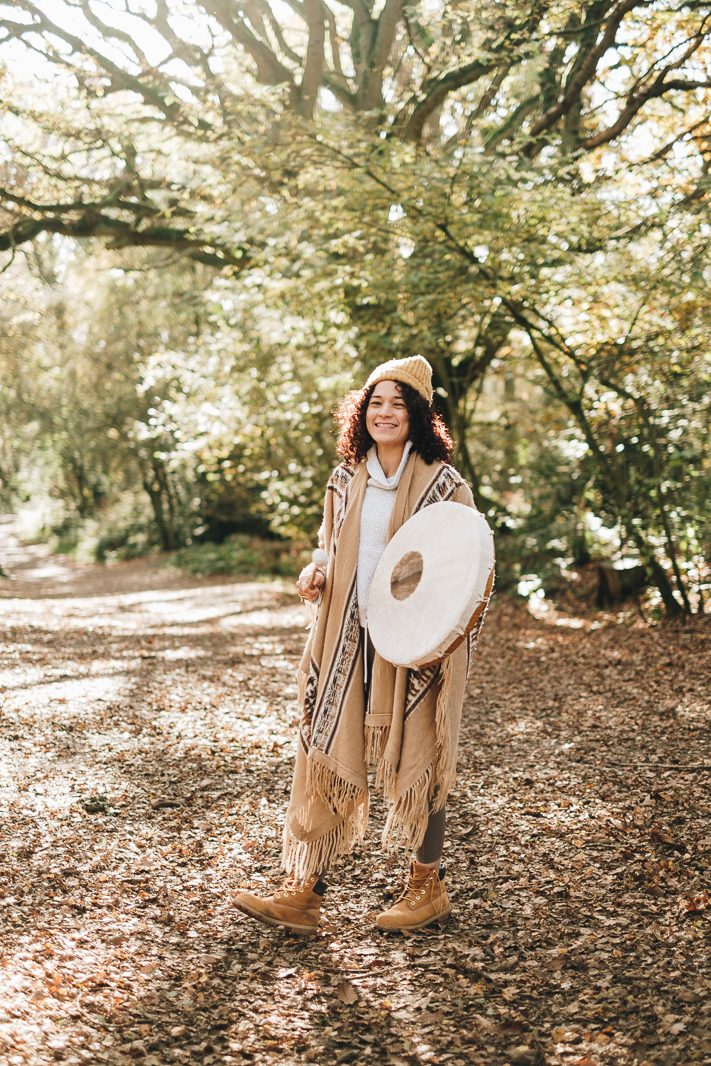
[310, 582]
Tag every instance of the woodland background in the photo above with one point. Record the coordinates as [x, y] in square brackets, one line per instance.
[215, 217]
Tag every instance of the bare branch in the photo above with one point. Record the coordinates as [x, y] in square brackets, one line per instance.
[659, 86]
[499, 48]
[277, 31]
[110, 32]
[113, 199]
[120, 79]
[666, 148]
[180, 49]
[436, 91]
[586, 69]
[635, 104]
[511, 124]
[121, 234]
[270, 69]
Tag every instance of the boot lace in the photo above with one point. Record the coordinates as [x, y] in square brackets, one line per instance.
[289, 888]
[417, 887]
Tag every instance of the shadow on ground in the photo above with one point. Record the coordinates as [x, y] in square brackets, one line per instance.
[146, 742]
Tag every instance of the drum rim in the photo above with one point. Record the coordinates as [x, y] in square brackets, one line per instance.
[461, 637]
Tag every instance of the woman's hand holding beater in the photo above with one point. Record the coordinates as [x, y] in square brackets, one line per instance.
[310, 582]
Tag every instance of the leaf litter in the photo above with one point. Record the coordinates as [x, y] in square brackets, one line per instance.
[146, 739]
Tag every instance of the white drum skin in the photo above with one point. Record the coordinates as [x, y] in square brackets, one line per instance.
[431, 585]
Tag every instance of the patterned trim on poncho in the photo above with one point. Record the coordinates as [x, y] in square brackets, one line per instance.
[410, 729]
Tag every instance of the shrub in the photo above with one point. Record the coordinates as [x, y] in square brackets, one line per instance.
[242, 554]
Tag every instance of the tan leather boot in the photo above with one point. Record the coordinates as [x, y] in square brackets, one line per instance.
[293, 906]
[423, 902]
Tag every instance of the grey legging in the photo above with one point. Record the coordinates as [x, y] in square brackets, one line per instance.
[430, 850]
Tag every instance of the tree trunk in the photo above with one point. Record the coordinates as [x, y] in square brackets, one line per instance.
[155, 482]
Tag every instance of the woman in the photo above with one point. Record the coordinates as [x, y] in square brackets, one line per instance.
[358, 709]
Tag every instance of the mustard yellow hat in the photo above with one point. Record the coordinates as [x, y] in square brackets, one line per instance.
[414, 371]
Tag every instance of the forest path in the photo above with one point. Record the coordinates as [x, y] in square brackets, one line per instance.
[146, 737]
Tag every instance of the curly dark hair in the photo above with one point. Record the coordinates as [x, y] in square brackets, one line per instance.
[428, 432]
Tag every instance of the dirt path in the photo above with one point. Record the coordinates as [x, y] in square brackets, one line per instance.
[146, 737]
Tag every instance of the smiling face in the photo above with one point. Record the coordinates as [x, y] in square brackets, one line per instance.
[386, 417]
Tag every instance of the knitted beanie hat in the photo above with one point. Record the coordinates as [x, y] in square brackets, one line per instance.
[413, 370]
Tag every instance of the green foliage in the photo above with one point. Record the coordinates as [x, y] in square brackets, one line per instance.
[512, 191]
[241, 554]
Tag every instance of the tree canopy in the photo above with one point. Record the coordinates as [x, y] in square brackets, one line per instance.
[217, 216]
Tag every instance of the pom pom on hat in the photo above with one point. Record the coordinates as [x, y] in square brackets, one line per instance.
[414, 370]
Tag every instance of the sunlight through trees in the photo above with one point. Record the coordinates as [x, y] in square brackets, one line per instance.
[216, 217]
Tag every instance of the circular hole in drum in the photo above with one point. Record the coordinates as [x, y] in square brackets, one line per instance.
[406, 575]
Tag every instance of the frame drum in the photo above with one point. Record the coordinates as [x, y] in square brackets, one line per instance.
[432, 585]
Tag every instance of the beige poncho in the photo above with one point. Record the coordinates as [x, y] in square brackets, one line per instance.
[410, 729]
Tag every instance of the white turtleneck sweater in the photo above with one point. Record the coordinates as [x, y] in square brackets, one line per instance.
[378, 504]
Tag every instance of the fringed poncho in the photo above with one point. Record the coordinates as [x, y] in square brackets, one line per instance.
[410, 728]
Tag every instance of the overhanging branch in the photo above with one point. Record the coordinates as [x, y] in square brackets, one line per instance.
[118, 233]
